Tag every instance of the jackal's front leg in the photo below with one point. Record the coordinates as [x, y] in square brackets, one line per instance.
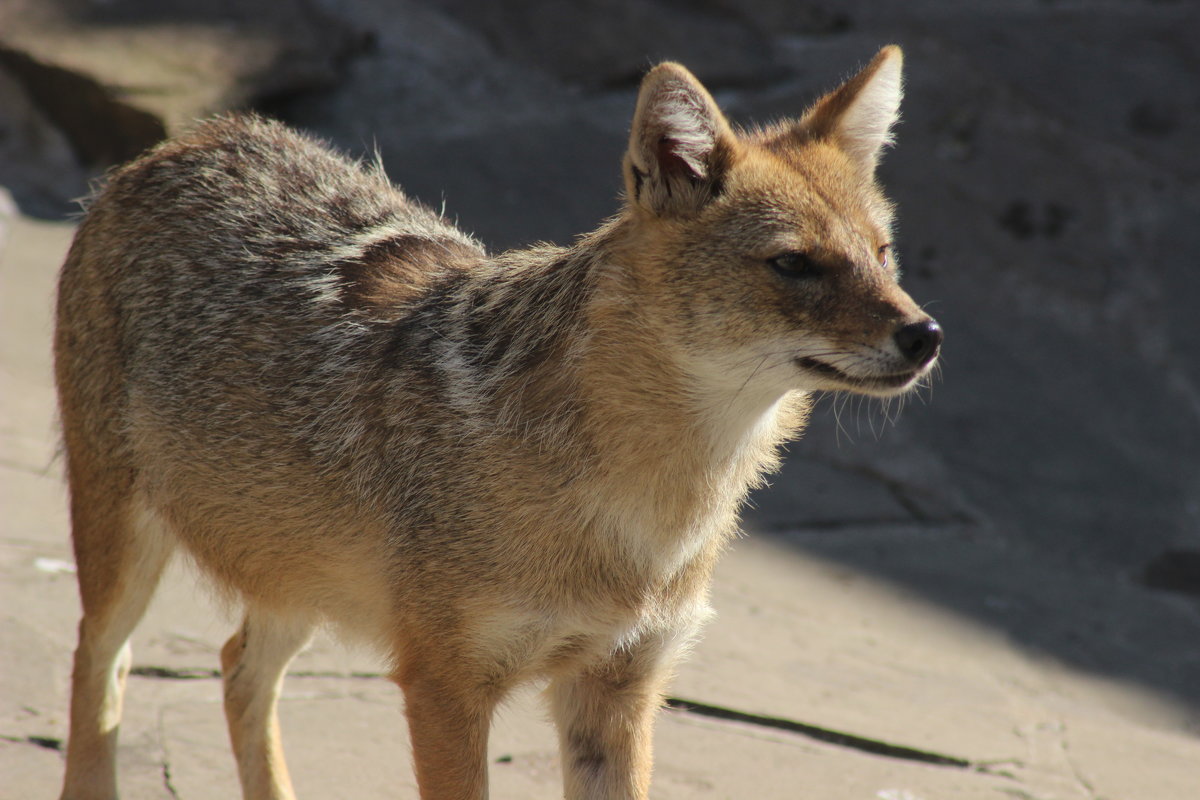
[449, 707]
[605, 717]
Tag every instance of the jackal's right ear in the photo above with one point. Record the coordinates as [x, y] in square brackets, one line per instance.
[680, 147]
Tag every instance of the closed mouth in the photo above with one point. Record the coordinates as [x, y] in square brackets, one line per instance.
[890, 381]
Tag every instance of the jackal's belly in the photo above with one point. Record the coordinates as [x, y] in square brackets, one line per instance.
[530, 645]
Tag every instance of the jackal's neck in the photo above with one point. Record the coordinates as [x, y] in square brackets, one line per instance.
[670, 432]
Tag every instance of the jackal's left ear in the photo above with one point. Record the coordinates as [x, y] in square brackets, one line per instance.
[680, 146]
[858, 116]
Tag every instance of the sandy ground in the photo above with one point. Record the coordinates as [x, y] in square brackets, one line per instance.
[812, 669]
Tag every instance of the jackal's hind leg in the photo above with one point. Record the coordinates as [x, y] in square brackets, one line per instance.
[253, 663]
[120, 552]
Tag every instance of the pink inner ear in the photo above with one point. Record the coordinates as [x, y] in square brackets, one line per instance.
[669, 160]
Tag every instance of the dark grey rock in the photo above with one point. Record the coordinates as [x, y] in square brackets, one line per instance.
[1174, 571]
[37, 164]
[600, 43]
[114, 78]
[101, 128]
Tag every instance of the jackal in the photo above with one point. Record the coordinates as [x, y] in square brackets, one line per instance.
[495, 468]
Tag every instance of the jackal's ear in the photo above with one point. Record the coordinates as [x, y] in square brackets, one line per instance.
[680, 146]
[858, 116]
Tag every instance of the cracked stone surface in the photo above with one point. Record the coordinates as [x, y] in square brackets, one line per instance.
[1003, 571]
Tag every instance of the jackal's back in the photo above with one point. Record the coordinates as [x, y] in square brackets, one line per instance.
[249, 267]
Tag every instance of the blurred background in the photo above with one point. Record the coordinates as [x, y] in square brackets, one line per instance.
[1047, 174]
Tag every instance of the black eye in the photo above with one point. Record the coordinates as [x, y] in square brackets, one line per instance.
[884, 250]
[794, 265]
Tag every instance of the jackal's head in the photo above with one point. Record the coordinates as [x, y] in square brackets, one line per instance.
[769, 253]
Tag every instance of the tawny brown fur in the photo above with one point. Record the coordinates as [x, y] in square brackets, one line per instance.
[493, 468]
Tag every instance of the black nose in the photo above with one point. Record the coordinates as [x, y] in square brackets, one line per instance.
[919, 342]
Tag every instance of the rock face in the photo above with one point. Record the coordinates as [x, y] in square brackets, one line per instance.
[1048, 182]
[111, 79]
